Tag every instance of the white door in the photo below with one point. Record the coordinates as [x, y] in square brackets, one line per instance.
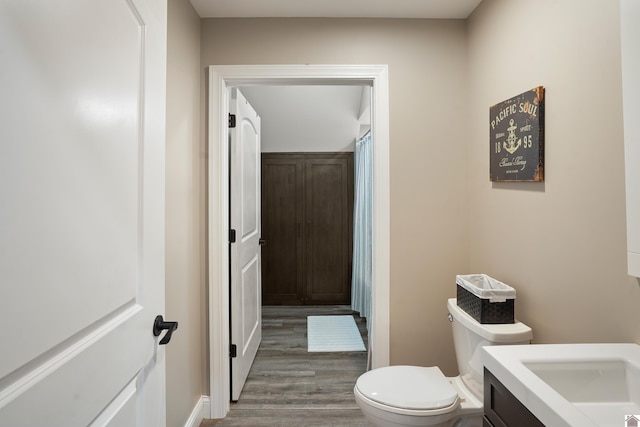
[82, 113]
[246, 298]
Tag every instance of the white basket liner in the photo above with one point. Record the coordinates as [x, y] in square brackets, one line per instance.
[486, 287]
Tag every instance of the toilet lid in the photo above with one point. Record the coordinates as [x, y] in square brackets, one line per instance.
[408, 387]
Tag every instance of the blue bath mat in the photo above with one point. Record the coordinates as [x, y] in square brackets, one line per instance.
[333, 333]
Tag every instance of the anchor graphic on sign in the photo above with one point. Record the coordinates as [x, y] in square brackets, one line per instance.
[511, 145]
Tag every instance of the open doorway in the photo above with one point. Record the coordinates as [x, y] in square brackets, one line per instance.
[222, 77]
[308, 141]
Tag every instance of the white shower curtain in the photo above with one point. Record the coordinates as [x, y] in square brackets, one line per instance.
[362, 228]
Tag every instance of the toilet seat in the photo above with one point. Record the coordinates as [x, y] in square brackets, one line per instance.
[413, 388]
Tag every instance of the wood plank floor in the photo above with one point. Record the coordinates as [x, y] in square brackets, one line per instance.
[288, 386]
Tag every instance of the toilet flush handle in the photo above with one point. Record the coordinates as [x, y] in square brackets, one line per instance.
[450, 317]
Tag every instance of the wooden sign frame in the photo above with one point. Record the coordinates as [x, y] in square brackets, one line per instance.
[516, 138]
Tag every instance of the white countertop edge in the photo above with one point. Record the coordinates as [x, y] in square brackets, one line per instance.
[506, 364]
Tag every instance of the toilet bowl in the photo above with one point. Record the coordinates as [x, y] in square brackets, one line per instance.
[423, 396]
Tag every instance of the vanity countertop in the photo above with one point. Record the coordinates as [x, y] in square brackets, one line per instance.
[570, 385]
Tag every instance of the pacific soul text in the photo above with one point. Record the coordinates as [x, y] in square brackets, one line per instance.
[523, 107]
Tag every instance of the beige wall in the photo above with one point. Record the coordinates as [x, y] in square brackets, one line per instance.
[427, 77]
[561, 243]
[185, 214]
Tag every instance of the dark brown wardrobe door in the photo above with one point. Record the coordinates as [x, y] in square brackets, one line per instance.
[282, 204]
[307, 221]
[328, 221]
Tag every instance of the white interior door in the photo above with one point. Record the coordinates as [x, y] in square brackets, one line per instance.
[246, 298]
[82, 113]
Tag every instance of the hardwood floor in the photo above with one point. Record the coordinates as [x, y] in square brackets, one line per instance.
[288, 386]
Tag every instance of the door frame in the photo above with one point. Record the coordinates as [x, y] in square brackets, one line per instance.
[220, 79]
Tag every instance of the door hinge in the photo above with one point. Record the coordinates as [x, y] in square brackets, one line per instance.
[232, 236]
[232, 120]
[233, 351]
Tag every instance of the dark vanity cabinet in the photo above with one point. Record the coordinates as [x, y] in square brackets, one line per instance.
[503, 409]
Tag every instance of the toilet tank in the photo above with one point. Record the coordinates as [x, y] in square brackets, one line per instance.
[469, 336]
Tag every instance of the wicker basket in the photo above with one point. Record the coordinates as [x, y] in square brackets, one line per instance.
[485, 299]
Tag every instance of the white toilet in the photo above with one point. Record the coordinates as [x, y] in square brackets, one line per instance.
[423, 396]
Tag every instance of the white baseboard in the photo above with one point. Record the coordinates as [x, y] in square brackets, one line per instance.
[202, 408]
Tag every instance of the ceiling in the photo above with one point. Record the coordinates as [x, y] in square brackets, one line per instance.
[308, 118]
[436, 9]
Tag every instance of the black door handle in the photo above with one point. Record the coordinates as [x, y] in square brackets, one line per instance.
[262, 242]
[159, 325]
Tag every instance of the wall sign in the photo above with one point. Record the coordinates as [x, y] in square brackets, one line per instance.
[516, 129]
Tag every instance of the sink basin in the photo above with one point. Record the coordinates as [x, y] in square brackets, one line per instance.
[592, 381]
[601, 389]
[571, 384]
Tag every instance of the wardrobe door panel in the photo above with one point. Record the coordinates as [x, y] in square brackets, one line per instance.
[282, 203]
[328, 217]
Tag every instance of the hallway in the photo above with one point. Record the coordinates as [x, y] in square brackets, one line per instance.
[288, 386]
